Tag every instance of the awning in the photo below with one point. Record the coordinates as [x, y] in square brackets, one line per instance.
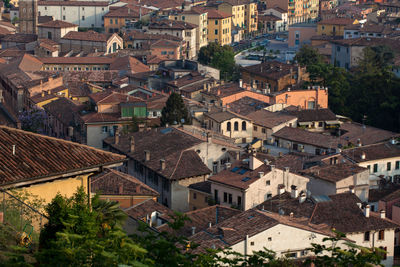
[332, 122]
[305, 123]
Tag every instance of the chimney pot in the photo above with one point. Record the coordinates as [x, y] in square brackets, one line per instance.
[383, 214]
[209, 225]
[147, 155]
[367, 210]
[132, 143]
[363, 155]
[295, 192]
[193, 230]
[121, 188]
[228, 165]
[117, 136]
[162, 164]
[291, 215]
[260, 174]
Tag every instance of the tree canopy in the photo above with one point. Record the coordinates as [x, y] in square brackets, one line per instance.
[370, 90]
[175, 111]
[220, 57]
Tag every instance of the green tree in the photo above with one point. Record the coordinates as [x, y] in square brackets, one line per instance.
[175, 111]
[308, 56]
[220, 57]
[78, 235]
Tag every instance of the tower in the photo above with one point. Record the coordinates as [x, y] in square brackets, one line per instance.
[28, 16]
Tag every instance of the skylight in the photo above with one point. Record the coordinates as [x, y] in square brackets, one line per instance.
[245, 179]
[235, 169]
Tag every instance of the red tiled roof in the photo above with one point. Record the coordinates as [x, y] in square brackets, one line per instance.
[73, 3]
[76, 60]
[110, 97]
[38, 156]
[334, 173]
[146, 208]
[337, 21]
[87, 36]
[269, 119]
[112, 182]
[216, 14]
[171, 24]
[57, 24]
[129, 63]
[373, 152]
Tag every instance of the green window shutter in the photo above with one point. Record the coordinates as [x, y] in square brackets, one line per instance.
[140, 112]
[127, 112]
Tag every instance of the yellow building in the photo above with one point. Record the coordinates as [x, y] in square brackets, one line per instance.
[236, 9]
[219, 27]
[334, 27]
[48, 96]
[44, 166]
[251, 17]
[197, 16]
[118, 18]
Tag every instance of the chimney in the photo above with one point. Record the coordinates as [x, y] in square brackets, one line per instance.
[132, 142]
[209, 225]
[121, 188]
[363, 155]
[280, 154]
[42, 93]
[367, 210]
[281, 189]
[383, 214]
[241, 83]
[237, 155]
[193, 230]
[272, 167]
[116, 140]
[218, 92]
[294, 193]
[228, 165]
[162, 164]
[359, 204]
[359, 142]
[291, 215]
[351, 189]
[13, 150]
[302, 198]
[260, 174]
[147, 155]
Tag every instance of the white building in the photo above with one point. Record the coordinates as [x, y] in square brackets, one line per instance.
[280, 13]
[55, 30]
[381, 159]
[247, 185]
[85, 14]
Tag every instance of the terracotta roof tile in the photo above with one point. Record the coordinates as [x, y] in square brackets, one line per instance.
[39, 156]
[334, 173]
[352, 131]
[372, 152]
[128, 63]
[73, 3]
[20, 38]
[269, 119]
[271, 69]
[57, 24]
[146, 208]
[87, 36]
[172, 24]
[112, 182]
[308, 115]
[76, 60]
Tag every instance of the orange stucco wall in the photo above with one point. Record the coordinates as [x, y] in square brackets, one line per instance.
[301, 97]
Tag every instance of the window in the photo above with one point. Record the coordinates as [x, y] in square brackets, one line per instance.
[236, 126]
[366, 236]
[183, 17]
[369, 168]
[63, 7]
[111, 21]
[320, 124]
[243, 126]
[269, 196]
[311, 105]
[83, 17]
[268, 182]
[63, 17]
[194, 196]
[239, 201]
[104, 129]
[255, 128]
[252, 243]
[338, 48]
[83, 8]
[376, 167]
[381, 235]
[383, 253]
[269, 238]
[102, 9]
[116, 21]
[263, 130]
[225, 197]
[163, 52]
[230, 198]
[397, 165]
[216, 31]
[389, 166]
[48, 35]
[216, 22]
[206, 199]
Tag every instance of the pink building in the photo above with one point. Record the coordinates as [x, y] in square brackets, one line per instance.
[301, 33]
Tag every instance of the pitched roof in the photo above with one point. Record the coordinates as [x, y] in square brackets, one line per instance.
[20, 38]
[129, 63]
[73, 3]
[76, 60]
[221, 116]
[369, 41]
[247, 105]
[111, 97]
[340, 212]
[334, 173]
[172, 24]
[372, 152]
[112, 182]
[306, 137]
[165, 43]
[87, 36]
[216, 14]
[146, 208]
[201, 218]
[38, 156]
[337, 21]
[352, 131]
[65, 110]
[95, 117]
[57, 24]
[308, 115]
[269, 119]
[204, 187]
[128, 11]
[271, 69]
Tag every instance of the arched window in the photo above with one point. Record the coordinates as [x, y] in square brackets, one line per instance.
[236, 126]
[228, 126]
[243, 126]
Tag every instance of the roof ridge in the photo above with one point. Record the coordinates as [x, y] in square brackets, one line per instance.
[60, 140]
[177, 162]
